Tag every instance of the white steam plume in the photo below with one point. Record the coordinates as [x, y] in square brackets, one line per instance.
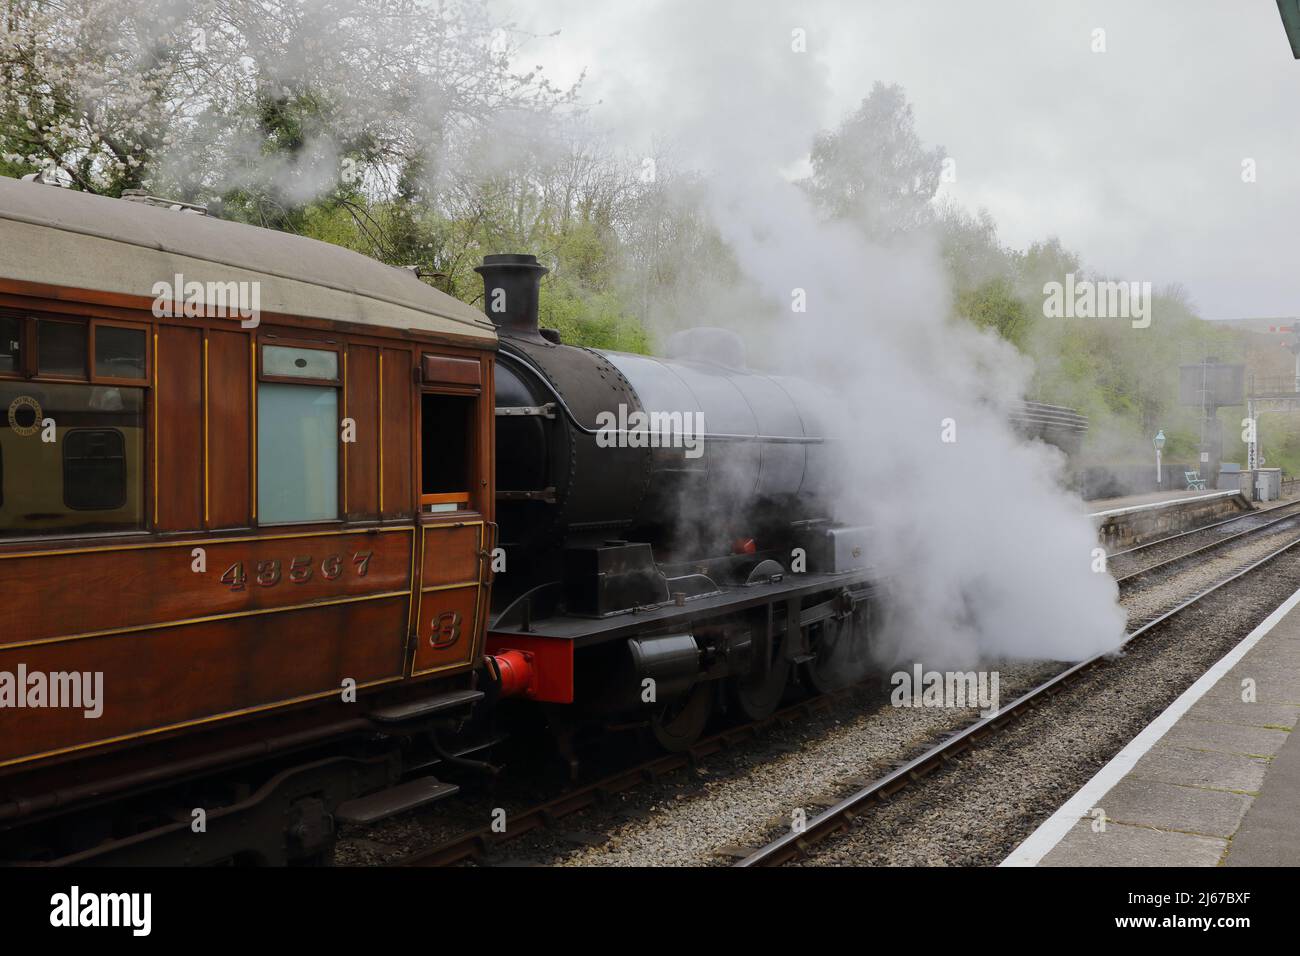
[987, 555]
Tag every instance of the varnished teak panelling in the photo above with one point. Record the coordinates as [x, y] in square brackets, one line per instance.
[449, 621]
[179, 402]
[362, 455]
[451, 554]
[396, 423]
[153, 585]
[444, 370]
[228, 427]
[161, 679]
[255, 619]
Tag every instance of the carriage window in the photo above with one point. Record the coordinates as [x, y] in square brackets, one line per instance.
[90, 478]
[446, 423]
[119, 352]
[283, 362]
[94, 469]
[11, 344]
[297, 453]
[61, 348]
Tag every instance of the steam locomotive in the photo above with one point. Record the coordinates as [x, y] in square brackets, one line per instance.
[641, 578]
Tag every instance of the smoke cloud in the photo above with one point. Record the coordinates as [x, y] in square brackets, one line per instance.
[983, 553]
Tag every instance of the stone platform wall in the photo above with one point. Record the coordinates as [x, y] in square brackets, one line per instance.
[1139, 525]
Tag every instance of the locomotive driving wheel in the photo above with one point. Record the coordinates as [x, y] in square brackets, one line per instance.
[841, 653]
[757, 695]
[679, 723]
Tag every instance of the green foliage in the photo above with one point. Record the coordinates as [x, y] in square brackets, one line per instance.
[597, 320]
[1124, 379]
[15, 170]
[995, 305]
[1279, 434]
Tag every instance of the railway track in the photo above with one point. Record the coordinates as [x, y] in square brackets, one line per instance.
[841, 815]
[1251, 526]
[476, 844]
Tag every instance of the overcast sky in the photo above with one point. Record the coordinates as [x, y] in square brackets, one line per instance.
[1133, 157]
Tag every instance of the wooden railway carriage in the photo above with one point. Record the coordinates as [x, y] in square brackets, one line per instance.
[246, 500]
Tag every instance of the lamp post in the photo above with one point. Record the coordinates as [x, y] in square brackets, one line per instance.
[1159, 442]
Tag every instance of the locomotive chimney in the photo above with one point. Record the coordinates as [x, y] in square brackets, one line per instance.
[510, 291]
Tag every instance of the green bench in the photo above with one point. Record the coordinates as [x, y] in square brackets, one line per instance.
[1194, 481]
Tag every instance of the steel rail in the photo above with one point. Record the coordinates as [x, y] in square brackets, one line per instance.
[841, 815]
[1205, 527]
[474, 844]
[1212, 546]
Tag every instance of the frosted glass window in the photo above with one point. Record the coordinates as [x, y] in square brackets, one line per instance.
[284, 362]
[297, 453]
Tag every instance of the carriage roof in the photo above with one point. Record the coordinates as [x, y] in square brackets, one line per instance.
[59, 237]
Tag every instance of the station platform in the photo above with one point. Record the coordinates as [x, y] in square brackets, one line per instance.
[1136, 519]
[1099, 507]
[1213, 781]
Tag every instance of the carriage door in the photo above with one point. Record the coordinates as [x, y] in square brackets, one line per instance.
[449, 620]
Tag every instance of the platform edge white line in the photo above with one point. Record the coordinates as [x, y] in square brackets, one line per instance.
[1043, 840]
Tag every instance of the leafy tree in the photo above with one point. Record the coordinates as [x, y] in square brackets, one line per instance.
[164, 93]
[874, 170]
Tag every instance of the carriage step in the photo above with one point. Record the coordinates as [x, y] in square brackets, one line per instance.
[386, 803]
[413, 709]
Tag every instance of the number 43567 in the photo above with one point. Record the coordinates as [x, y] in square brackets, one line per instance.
[299, 570]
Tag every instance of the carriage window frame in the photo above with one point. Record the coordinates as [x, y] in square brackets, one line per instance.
[263, 378]
[29, 358]
[445, 504]
[24, 346]
[35, 364]
[298, 343]
[135, 472]
[145, 330]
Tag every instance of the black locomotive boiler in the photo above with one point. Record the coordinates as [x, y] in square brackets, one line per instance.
[664, 546]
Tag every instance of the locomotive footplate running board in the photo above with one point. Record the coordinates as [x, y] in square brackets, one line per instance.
[585, 631]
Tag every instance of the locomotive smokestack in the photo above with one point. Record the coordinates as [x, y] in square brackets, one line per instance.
[510, 291]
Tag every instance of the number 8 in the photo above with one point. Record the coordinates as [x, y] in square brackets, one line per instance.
[447, 627]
